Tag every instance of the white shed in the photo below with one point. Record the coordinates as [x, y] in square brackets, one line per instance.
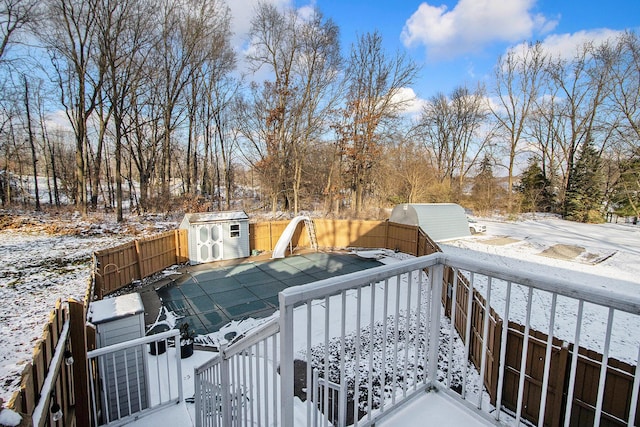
[215, 236]
[123, 374]
[441, 221]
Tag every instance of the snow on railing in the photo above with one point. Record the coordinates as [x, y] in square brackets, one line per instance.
[135, 378]
[350, 350]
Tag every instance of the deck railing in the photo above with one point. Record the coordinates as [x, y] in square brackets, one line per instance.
[350, 350]
[240, 385]
[135, 378]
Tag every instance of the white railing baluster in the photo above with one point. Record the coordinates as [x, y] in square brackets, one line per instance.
[138, 374]
[274, 379]
[523, 356]
[356, 391]
[427, 319]
[634, 394]
[242, 379]
[503, 350]
[454, 293]
[396, 322]
[343, 376]
[434, 324]
[310, 399]
[385, 313]
[418, 331]
[315, 396]
[259, 380]
[407, 330]
[467, 334]
[485, 337]
[547, 361]
[126, 378]
[372, 318]
[325, 375]
[574, 364]
[603, 369]
[265, 367]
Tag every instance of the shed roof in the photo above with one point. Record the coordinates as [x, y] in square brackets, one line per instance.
[109, 309]
[441, 221]
[200, 217]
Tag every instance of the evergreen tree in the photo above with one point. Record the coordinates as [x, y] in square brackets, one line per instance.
[535, 189]
[626, 193]
[485, 187]
[583, 200]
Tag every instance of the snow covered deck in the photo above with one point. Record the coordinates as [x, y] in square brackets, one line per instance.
[439, 409]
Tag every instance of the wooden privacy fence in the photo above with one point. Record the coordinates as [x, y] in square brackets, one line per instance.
[332, 233]
[52, 377]
[117, 267]
[618, 382]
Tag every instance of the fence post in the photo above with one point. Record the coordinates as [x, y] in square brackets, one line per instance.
[139, 259]
[78, 337]
[436, 274]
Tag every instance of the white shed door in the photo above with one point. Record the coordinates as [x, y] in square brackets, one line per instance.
[209, 242]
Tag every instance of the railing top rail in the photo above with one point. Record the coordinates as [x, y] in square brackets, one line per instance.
[254, 336]
[604, 296]
[173, 333]
[335, 285]
[607, 297]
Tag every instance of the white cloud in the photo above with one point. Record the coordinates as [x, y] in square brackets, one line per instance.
[411, 103]
[471, 25]
[242, 12]
[58, 121]
[565, 46]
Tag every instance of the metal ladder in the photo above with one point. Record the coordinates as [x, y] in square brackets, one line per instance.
[311, 229]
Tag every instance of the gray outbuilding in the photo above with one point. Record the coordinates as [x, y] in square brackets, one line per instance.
[441, 221]
[215, 236]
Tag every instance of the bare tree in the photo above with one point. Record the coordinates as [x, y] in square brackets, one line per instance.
[518, 77]
[455, 131]
[69, 37]
[583, 85]
[31, 139]
[14, 15]
[374, 81]
[625, 91]
[189, 31]
[125, 42]
[290, 112]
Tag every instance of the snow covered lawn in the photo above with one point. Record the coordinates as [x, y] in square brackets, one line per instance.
[42, 261]
[593, 255]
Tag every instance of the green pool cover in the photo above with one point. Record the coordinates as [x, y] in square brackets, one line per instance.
[210, 298]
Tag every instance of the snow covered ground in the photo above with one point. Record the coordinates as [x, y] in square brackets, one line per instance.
[603, 256]
[37, 267]
[43, 260]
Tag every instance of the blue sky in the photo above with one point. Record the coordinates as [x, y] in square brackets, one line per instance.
[459, 42]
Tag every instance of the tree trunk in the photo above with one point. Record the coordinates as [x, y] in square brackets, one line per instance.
[31, 143]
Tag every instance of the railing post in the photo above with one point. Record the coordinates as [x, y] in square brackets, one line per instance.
[225, 385]
[286, 363]
[197, 385]
[436, 274]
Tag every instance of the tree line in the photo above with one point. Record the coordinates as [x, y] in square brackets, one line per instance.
[145, 105]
